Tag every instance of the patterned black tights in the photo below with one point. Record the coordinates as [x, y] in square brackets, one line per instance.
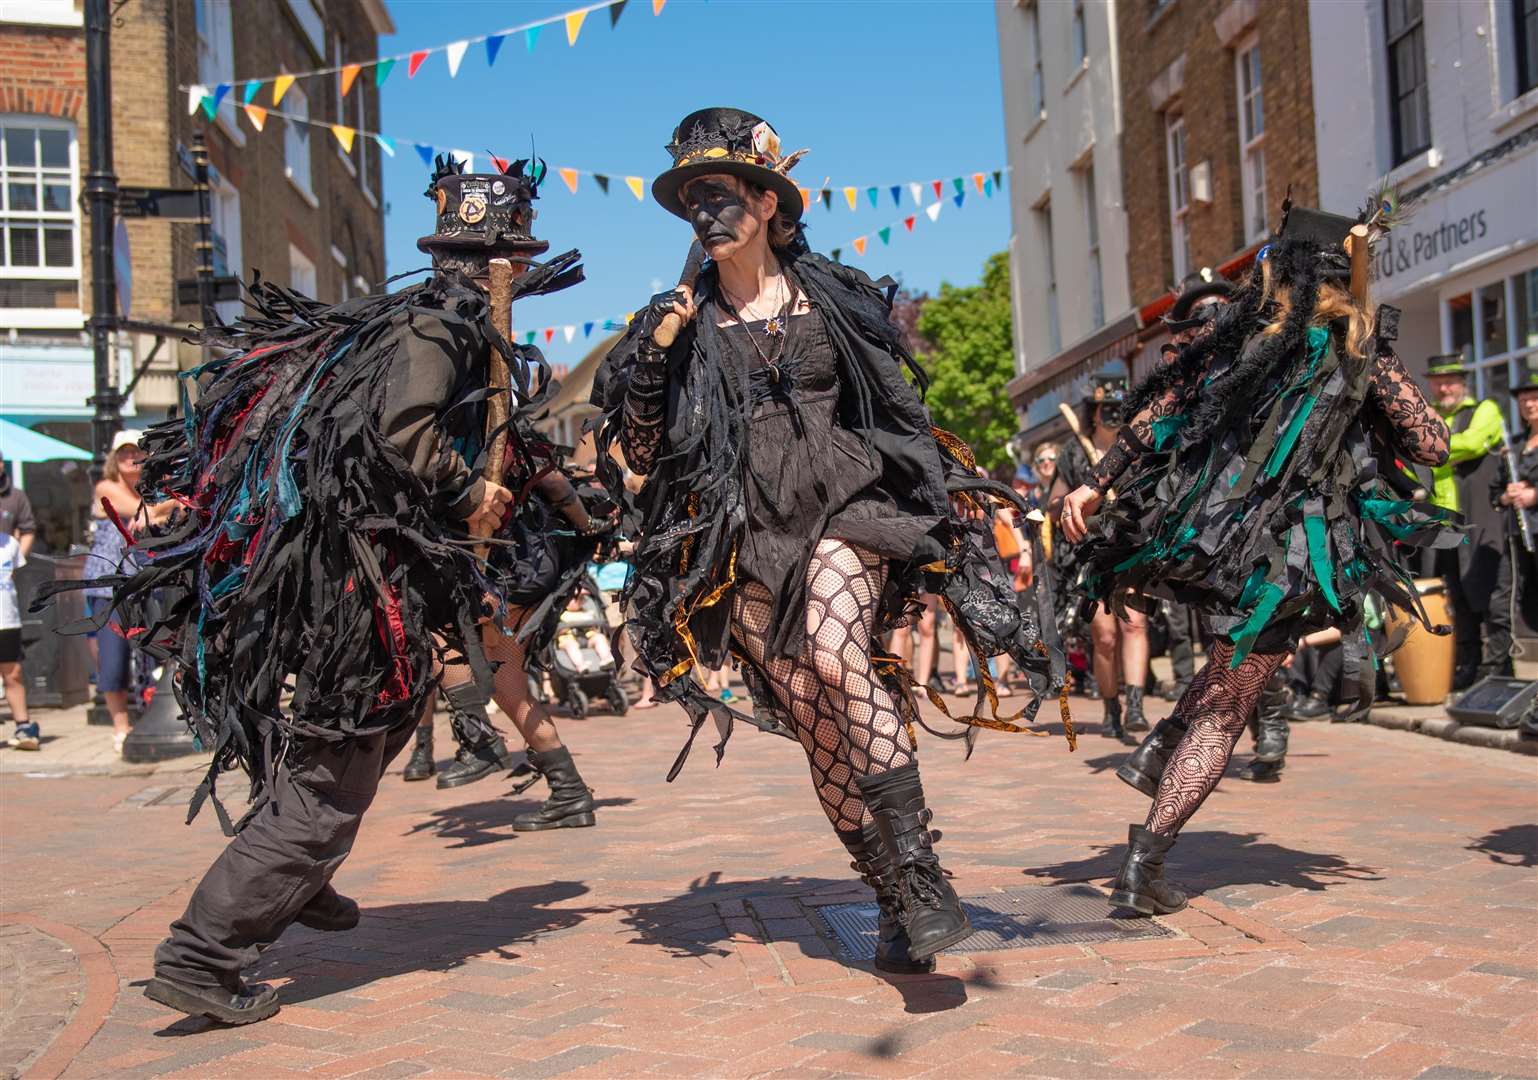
[844, 717]
[1216, 707]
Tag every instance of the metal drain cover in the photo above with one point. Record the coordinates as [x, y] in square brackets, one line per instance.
[1020, 918]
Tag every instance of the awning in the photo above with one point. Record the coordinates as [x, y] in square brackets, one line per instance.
[22, 444]
[1114, 341]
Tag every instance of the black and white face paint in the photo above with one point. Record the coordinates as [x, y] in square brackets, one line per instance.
[720, 215]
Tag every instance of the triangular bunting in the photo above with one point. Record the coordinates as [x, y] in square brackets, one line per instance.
[614, 11]
[602, 181]
[382, 71]
[528, 339]
[988, 188]
[195, 95]
[549, 334]
[637, 187]
[250, 93]
[939, 189]
[568, 332]
[499, 163]
[280, 87]
[977, 178]
[806, 198]
[917, 191]
[851, 194]
[998, 178]
[386, 144]
[493, 46]
[859, 244]
[933, 210]
[836, 252]
[960, 197]
[587, 329]
[456, 55]
[909, 220]
[349, 76]
[629, 316]
[424, 152]
[466, 157]
[218, 96]
[961, 185]
[897, 195]
[210, 107]
[414, 63]
[885, 234]
[569, 177]
[574, 22]
[531, 35]
[257, 115]
[826, 195]
[657, 6]
[344, 135]
[871, 193]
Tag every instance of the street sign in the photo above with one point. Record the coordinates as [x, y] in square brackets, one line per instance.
[225, 288]
[122, 260]
[169, 204]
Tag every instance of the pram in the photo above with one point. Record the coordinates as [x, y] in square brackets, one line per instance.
[576, 687]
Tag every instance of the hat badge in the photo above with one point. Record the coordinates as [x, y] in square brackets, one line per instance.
[472, 208]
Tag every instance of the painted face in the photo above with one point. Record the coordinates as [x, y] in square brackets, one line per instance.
[1449, 390]
[723, 215]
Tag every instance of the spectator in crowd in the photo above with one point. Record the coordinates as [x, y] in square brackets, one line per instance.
[1518, 495]
[118, 487]
[11, 560]
[16, 515]
[920, 654]
[1472, 569]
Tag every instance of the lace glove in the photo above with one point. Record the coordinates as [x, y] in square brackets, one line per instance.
[1122, 453]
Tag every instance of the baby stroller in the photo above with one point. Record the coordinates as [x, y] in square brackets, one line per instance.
[593, 677]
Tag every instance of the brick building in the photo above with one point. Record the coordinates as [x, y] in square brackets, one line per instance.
[286, 200]
[1218, 113]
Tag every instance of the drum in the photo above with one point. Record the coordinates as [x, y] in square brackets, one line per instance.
[1424, 663]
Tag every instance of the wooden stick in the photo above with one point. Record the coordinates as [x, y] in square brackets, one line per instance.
[1356, 245]
[498, 406]
[1090, 452]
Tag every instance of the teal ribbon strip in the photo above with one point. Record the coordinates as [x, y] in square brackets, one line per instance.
[1244, 635]
[1319, 558]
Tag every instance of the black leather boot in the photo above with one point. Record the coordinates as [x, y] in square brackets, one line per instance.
[1271, 719]
[247, 1004]
[1310, 707]
[328, 910]
[1110, 727]
[1145, 766]
[893, 953]
[481, 750]
[1263, 772]
[570, 805]
[930, 910]
[1140, 883]
[421, 764]
[1135, 720]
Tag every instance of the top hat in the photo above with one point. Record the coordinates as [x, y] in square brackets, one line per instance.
[1446, 364]
[729, 141]
[1106, 389]
[1527, 384]
[1196, 287]
[486, 212]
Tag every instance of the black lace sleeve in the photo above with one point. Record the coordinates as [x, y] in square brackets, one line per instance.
[640, 436]
[1136, 437]
[1419, 433]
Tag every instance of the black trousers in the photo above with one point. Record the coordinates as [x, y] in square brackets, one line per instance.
[1481, 624]
[283, 857]
[1318, 671]
[1182, 645]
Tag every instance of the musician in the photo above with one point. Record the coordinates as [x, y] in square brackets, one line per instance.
[1519, 495]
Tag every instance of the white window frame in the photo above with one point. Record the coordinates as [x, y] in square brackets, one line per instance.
[1048, 249]
[341, 105]
[301, 267]
[359, 285]
[1078, 35]
[224, 212]
[365, 147]
[43, 318]
[215, 23]
[339, 257]
[1252, 148]
[1179, 192]
[299, 146]
[1092, 245]
[1518, 357]
[310, 20]
[1038, 79]
[42, 13]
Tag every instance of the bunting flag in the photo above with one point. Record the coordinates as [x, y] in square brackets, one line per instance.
[250, 92]
[602, 181]
[531, 35]
[908, 222]
[885, 234]
[859, 244]
[960, 195]
[587, 329]
[871, 193]
[977, 178]
[344, 135]
[493, 46]
[835, 253]
[998, 178]
[826, 194]
[637, 187]
[280, 87]
[414, 64]
[939, 188]
[897, 195]
[851, 194]
[569, 177]
[961, 186]
[568, 332]
[257, 115]
[657, 6]
[549, 334]
[614, 11]
[386, 144]
[933, 210]
[425, 152]
[455, 55]
[382, 71]
[196, 94]
[917, 190]
[349, 76]
[499, 163]
[574, 21]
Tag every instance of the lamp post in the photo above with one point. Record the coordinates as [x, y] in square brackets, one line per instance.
[100, 194]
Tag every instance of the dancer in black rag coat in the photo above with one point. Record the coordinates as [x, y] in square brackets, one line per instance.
[1248, 484]
[331, 475]
[797, 501]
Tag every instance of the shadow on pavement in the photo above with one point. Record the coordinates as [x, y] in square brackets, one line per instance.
[474, 824]
[1520, 841]
[1212, 859]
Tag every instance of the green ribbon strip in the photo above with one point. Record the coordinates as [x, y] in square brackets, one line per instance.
[1319, 558]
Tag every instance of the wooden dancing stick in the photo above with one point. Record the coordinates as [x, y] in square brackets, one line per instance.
[498, 377]
[1084, 440]
[667, 332]
[1356, 245]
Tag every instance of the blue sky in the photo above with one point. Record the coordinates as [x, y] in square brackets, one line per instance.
[881, 92]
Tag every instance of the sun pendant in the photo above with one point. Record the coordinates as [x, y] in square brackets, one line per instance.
[773, 327]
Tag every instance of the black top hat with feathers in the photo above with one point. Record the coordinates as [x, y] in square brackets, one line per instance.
[491, 213]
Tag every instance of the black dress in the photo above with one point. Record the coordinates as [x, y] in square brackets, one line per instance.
[807, 477]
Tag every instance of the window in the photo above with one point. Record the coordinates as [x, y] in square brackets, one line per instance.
[43, 12]
[216, 55]
[1525, 12]
[224, 214]
[314, 27]
[1180, 193]
[1252, 134]
[39, 219]
[346, 107]
[1092, 234]
[301, 272]
[296, 142]
[1038, 84]
[1409, 108]
[1054, 331]
[366, 147]
[1495, 328]
[339, 257]
[1080, 41]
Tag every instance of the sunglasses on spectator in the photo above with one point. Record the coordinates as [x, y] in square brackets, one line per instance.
[1042, 459]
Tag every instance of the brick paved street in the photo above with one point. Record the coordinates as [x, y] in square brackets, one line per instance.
[1375, 914]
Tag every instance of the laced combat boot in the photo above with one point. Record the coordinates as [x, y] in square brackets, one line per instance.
[481, 750]
[1110, 726]
[421, 765]
[1135, 720]
[570, 805]
[893, 953]
[1140, 884]
[1144, 767]
[931, 913]
[1271, 719]
[329, 910]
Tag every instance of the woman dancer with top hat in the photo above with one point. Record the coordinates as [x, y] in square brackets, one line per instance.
[795, 495]
[1247, 484]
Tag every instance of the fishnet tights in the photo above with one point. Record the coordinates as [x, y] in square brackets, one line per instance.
[1216, 707]
[844, 717]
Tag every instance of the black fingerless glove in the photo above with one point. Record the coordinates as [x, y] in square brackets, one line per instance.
[1122, 453]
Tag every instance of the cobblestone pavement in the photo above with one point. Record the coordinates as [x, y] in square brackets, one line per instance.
[1373, 914]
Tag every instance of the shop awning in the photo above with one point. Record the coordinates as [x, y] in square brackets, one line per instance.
[22, 444]
[1111, 342]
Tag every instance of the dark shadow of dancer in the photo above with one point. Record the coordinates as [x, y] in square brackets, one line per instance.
[1214, 859]
[695, 924]
[432, 936]
[475, 824]
[1105, 762]
[1520, 841]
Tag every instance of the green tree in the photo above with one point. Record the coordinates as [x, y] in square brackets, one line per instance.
[970, 359]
